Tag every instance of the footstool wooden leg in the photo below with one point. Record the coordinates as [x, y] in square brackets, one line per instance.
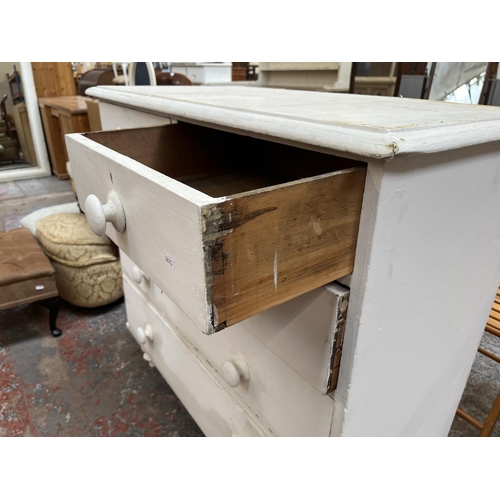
[53, 306]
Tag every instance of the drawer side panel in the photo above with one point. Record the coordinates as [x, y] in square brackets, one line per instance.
[272, 245]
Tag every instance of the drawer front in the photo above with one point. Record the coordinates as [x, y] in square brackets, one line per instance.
[162, 223]
[208, 402]
[280, 399]
[221, 259]
[306, 332]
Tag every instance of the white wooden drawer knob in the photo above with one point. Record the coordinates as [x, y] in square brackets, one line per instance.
[138, 275]
[144, 334]
[235, 370]
[147, 357]
[98, 214]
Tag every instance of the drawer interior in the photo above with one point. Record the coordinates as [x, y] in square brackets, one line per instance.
[219, 163]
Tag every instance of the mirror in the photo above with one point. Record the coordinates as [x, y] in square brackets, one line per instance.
[460, 82]
[23, 154]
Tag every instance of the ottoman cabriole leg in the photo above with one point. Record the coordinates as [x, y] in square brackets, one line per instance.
[52, 305]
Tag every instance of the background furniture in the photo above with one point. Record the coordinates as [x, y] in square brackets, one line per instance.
[29, 222]
[8, 125]
[26, 274]
[375, 78]
[94, 115]
[202, 73]
[94, 77]
[329, 76]
[16, 89]
[141, 73]
[88, 272]
[23, 129]
[170, 78]
[10, 150]
[430, 174]
[493, 328]
[53, 79]
[239, 71]
[60, 116]
[413, 80]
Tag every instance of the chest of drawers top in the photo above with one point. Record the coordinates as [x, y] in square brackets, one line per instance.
[368, 126]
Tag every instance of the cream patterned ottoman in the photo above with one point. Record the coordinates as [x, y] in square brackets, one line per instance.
[88, 271]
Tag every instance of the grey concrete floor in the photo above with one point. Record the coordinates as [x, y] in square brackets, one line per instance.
[165, 413]
[20, 198]
[91, 381]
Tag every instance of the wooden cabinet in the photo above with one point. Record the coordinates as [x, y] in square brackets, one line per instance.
[53, 79]
[403, 195]
[61, 116]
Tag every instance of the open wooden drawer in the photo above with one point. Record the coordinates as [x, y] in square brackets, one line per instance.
[226, 225]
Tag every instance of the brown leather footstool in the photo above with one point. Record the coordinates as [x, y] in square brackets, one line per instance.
[26, 274]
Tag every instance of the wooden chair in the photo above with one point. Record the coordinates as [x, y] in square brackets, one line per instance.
[141, 73]
[493, 328]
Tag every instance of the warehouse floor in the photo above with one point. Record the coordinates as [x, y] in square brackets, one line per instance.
[92, 381]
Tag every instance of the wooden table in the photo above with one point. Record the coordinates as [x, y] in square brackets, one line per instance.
[60, 116]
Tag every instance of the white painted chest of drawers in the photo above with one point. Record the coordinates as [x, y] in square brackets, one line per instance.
[240, 204]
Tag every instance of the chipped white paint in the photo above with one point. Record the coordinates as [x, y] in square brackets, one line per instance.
[215, 315]
[315, 312]
[423, 283]
[215, 410]
[371, 126]
[275, 396]
[306, 343]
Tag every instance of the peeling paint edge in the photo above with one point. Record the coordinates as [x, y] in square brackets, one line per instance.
[211, 217]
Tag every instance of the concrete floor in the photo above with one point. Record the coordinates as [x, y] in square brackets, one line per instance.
[92, 381]
[18, 199]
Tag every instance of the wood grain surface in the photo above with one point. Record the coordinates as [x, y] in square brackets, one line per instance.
[53, 79]
[269, 246]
